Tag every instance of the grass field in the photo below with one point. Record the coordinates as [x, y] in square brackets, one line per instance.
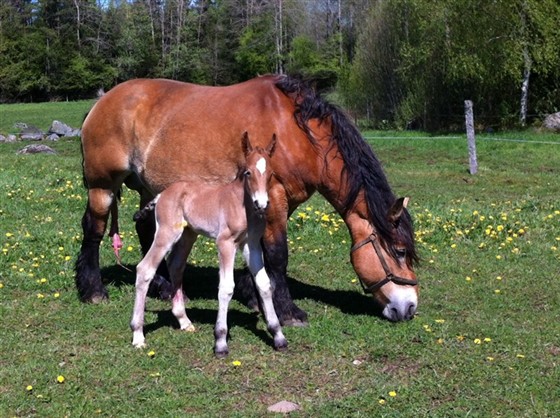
[485, 343]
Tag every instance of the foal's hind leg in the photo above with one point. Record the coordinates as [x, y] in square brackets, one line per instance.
[145, 270]
[94, 222]
[145, 228]
[254, 258]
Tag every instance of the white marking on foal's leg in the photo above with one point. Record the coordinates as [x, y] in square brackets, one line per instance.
[253, 256]
[225, 293]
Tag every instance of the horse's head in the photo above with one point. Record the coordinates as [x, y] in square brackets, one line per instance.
[385, 270]
[257, 172]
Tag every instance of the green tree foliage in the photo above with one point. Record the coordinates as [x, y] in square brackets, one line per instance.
[417, 61]
[401, 63]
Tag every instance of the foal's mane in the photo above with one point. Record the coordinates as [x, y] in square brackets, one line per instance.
[361, 166]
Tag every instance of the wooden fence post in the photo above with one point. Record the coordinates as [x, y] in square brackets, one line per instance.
[469, 122]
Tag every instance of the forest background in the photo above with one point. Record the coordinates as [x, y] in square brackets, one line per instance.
[391, 63]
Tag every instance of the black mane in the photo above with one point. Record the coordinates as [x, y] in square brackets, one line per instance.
[362, 168]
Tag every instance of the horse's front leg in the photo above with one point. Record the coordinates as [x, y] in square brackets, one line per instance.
[226, 250]
[177, 263]
[254, 258]
[275, 250]
[88, 275]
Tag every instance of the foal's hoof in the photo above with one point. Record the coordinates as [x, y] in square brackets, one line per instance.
[190, 328]
[221, 353]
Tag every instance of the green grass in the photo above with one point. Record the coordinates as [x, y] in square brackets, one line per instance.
[485, 342]
[41, 115]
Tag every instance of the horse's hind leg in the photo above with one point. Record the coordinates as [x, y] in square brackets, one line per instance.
[94, 222]
[254, 258]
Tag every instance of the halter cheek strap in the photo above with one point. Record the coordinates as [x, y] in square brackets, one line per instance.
[389, 276]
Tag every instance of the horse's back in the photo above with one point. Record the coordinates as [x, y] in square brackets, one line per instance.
[168, 131]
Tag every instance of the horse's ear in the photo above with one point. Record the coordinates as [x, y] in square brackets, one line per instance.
[271, 146]
[397, 210]
[246, 144]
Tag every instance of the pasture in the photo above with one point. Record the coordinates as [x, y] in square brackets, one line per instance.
[485, 342]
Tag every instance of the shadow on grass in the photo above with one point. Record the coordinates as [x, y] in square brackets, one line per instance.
[202, 283]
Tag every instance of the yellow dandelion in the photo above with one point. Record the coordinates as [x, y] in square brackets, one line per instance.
[151, 353]
[440, 341]
[60, 378]
[9, 234]
[497, 291]
[440, 321]
[236, 363]
[1, 285]
[468, 278]
[477, 341]
[40, 296]
[460, 337]
[392, 394]
[520, 356]
[129, 248]
[487, 340]
[498, 257]
[490, 358]
[56, 295]
[29, 388]
[499, 278]
[382, 401]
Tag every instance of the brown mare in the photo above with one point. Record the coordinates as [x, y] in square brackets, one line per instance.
[152, 133]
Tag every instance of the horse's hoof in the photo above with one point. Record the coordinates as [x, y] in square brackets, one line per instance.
[292, 316]
[293, 322]
[97, 298]
[160, 288]
[281, 346]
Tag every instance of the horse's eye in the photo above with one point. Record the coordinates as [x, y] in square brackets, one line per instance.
[247, 173]
[400, 252]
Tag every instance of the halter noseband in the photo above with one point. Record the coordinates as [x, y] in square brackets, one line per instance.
[389, 276]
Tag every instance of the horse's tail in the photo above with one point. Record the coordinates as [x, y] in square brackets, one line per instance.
[145, 211]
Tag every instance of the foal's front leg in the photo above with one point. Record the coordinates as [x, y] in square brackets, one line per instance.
[226, 249]
[254, 258]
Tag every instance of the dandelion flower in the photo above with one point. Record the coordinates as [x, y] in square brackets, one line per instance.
[490, 358]
[460, 337]
[60, 379]
[392, 394]
[29, 388]
[1, 285]
[129, 248]
[56, 295]
[520, 356]
[151, 353]
[236, 363]
[477, 341]
[497, 291]
[382, 401]
[487, 340]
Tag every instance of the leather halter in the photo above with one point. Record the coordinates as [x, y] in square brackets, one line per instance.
[389, 276]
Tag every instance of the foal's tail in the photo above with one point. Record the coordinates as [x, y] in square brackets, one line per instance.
[145, 211]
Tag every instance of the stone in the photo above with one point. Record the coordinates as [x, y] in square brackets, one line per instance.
[31, 133]
[36, 149]
[283, 407]
[61, 129]
[552, 122]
